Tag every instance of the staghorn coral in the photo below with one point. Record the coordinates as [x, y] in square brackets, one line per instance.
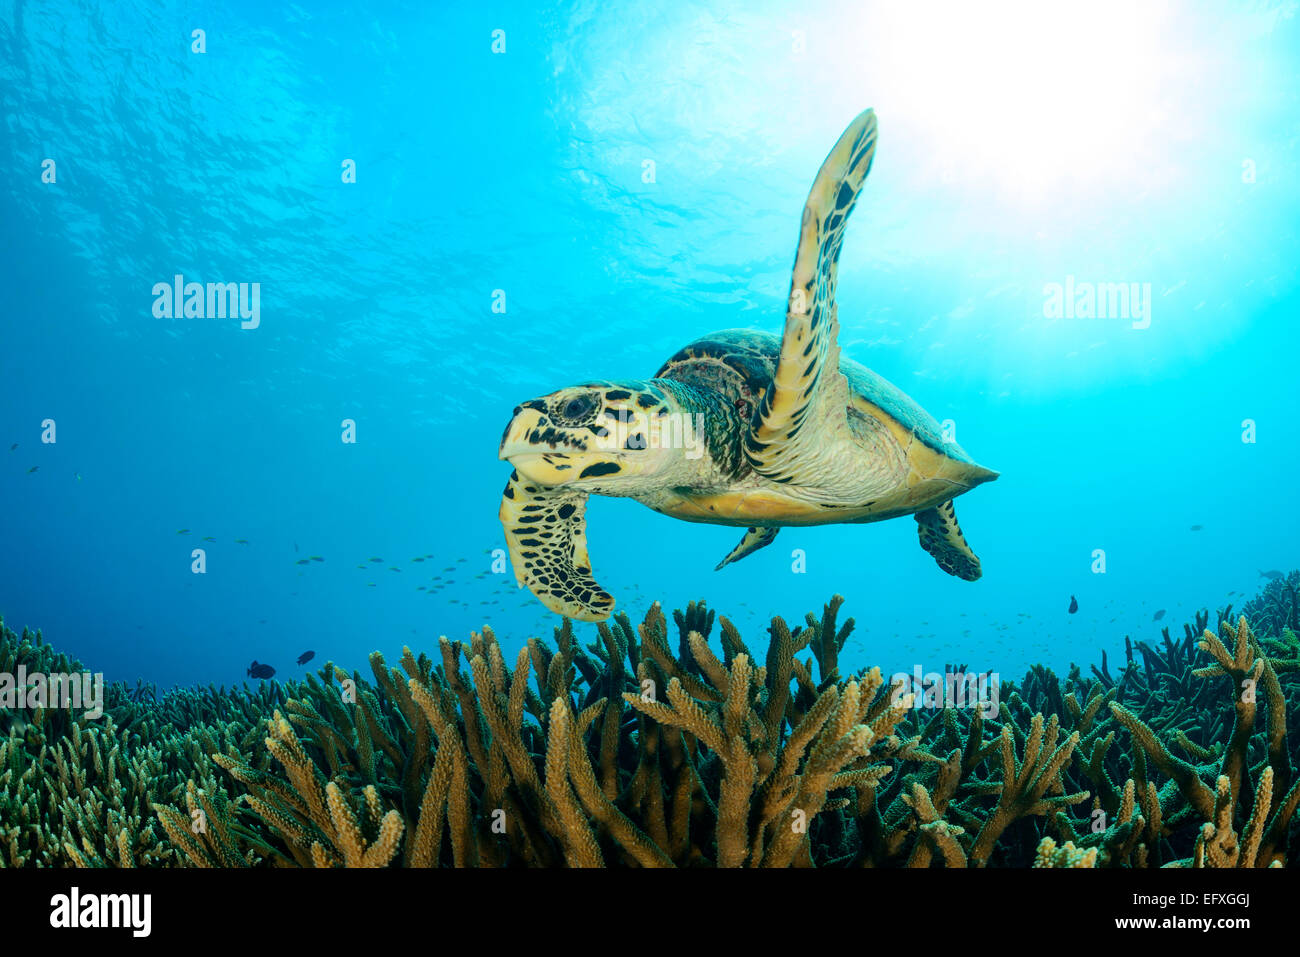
[1276, 607]
[1218, 842]
[1067, 855]
[1171, 757]
[622, 753]
[79, 792]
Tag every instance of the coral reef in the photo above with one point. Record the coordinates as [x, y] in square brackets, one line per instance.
[1275, 608]
[623, 753]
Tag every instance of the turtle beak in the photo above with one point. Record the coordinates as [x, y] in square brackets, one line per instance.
[531, 433]
[540, 452]
[547, 455]
[514, 441]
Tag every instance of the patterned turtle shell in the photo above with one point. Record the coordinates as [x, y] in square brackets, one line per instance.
[740, 364]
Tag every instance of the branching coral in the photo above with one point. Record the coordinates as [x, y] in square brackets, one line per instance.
[1266, 823]
[623, 753]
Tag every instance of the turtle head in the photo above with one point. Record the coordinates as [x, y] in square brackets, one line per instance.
[610, 437]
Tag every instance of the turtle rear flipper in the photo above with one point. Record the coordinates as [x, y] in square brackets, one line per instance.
[546, 532]
[753, 540]
[941, 536]
[809, 394]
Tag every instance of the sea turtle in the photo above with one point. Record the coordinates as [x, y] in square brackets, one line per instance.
[739, 428]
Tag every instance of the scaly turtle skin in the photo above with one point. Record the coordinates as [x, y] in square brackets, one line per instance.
[739, 428]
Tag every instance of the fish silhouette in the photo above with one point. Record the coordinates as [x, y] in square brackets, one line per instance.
[1197, 528]
[1074, 605]
[1160, 614]
[256, 670]
[1272, 575]
[305, 657]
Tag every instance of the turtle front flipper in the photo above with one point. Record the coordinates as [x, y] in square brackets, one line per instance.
[546, 532]
[941, 536]
[753, 540]
[808, 386]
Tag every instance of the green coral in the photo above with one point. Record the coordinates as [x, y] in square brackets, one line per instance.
[622, 752]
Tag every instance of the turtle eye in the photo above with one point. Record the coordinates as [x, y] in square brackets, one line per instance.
[578, 410]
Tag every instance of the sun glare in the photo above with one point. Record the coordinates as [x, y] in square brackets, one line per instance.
[1038, 91]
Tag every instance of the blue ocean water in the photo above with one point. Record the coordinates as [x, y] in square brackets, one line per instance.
[621, 178]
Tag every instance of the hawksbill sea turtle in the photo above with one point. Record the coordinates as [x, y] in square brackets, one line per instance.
[739, 428]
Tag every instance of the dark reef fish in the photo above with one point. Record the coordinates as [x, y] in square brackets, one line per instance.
[14, 446]
[1074, 605]
[1273, 576]
[1158, 615]
[1197, 528]
[305, 657]
[256, 670]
